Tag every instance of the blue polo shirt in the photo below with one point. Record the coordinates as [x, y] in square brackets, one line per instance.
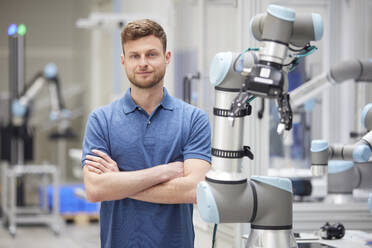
[175, 131]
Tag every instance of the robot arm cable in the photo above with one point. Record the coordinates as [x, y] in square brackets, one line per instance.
[214, 234]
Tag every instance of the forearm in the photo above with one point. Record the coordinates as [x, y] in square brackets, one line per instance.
[119, 185]
[175, 191]
[178, 190]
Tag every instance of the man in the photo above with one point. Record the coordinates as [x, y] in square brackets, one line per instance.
[143, 155]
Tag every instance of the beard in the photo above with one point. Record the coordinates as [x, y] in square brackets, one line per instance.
[150, 81]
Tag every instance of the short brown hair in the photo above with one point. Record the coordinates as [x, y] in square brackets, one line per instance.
[141, 28]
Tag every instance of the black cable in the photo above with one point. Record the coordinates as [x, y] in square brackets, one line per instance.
[261, 111]
[214, 235]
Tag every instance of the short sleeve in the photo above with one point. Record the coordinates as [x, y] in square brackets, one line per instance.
[95, 137]
[198, 144]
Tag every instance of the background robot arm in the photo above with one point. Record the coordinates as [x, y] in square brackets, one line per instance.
[359, 70]
[359, 152]
[48, 77]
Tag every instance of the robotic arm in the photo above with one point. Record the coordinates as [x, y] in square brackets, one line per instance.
[226, 195]
[359, 152]
[359, 70]
[279, 31]
[48, 77]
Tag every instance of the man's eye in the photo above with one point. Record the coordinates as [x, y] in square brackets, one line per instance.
[152, 54]
[134, 56]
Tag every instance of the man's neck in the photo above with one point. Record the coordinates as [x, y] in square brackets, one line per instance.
[148, 99]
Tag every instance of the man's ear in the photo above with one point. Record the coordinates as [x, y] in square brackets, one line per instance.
[122, 59]
[168, 56]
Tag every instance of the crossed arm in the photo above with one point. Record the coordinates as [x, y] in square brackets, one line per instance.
[168, 183]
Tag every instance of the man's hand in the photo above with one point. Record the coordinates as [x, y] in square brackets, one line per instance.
[101, 163]
[104, 182]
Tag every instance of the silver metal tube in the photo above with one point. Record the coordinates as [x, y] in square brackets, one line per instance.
[13, 89]
[227, 136]
[273, 52]
[44, 180]
[259, 238]
[319, 170]
[223, 99]
[13, 204]
[20, 89]
[227, 169]
[33, 90]
[20, 151]
[55, 179]
[21, 64]
[309, 90]
[13, 67]
[4, 191]
[62, 150]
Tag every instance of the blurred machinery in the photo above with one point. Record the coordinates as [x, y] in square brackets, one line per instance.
[188, 88]
[343, 178]
[359, 152]
[17, 138]
[348, 181]
[353, 173]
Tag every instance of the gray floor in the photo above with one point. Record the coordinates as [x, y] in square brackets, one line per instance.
[71, 236]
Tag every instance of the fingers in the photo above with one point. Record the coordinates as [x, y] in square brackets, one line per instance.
[103, 159]
[104, 156]
[98, 160]
[109, 162]
[93, 169]
[96, 165]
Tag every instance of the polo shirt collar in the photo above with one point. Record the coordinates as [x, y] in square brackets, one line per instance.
[130, 106]
[167, 102]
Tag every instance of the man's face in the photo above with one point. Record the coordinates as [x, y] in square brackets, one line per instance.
[144, 61]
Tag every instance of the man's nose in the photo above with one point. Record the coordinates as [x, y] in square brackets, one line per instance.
[143, 61]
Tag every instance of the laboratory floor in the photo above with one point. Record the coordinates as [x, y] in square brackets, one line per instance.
[71, 236]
